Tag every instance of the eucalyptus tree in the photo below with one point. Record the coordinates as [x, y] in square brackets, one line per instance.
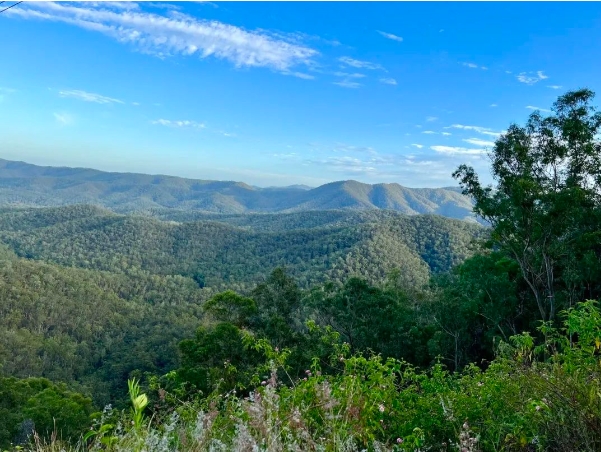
[545, 207]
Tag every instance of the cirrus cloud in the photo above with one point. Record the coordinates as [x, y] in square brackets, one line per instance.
[175, 34]
[89, 97]
[456, 150]
[359, 64]
[391, 36]
[181, 124]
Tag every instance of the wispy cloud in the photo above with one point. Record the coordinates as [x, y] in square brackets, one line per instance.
[359, 64]
[63, 119]
[478, 129]
[340, 147]
[474, 66]
[125, 6]
[493, 105]
[175, 34]
[391, 36]
[429, 132]
[554, 86]
[545, 110]
[388, 81]
[531, 78]
[431, 118]
[455, 150]
[446, 134]
[349, 75]
[348, 84]
[419, 146]
[479, 142]
[298, 75]
[182, 124]
[89, 97]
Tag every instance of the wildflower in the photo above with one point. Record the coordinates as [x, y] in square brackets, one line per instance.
[399, 440]
[480, 384]
[381, 408]
[263, 382]
[537, 408]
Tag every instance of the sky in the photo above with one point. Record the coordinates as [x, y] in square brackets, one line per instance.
[281, 93]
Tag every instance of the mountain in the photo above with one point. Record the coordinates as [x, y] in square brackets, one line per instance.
[23, 184]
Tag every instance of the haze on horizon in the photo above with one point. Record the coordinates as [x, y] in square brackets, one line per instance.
[266, 94]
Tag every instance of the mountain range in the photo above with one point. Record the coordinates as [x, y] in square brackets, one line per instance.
[27, 185]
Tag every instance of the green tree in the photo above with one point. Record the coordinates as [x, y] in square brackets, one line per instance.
[44, 406]
[230, 307]
[544, 209]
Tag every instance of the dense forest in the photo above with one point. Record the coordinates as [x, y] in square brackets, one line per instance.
[318, 331]
[235, 253]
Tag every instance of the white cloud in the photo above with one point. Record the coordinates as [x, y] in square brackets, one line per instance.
[545, 110]
[391, 36]
[474, 66]
[429, 132]
[136, 104]
[554, 86]
[359, 64]
[125, 6]
[349, 75]
[298, 75]
[482, 130]
[64, 119]
[479, 142]
[176, 34]
[530, 78]
[348, 84]
[431, 118]
[419, 146]
[388, 81]
[89, 97]
[454, 150]
[446, 134]
[179, 124]
[340, 147]
[493, 105]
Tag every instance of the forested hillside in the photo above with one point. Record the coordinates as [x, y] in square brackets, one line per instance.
[237, 251]
[91, 329]
[29, 185]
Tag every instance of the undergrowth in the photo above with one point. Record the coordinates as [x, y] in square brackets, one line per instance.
[532, 397]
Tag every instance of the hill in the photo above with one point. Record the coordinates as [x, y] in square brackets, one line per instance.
[237, 250]
[29, 185]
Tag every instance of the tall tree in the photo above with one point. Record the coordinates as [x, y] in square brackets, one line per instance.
[544, 210]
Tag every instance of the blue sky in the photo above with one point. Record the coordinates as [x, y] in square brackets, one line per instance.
[283, 93]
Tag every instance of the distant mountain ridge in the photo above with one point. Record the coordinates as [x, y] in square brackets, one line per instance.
[42, 186]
